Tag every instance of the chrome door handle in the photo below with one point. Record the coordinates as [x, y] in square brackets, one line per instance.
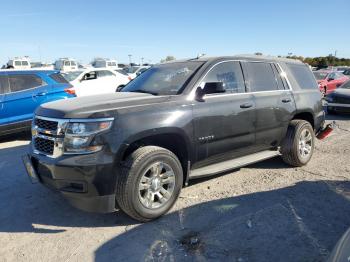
[286, 100]
[40, 94]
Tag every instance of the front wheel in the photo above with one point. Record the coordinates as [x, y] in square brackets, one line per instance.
[298, 145]
[150, 183]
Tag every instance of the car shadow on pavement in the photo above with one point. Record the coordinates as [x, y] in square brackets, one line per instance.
[302, 222]
[339, 117]
[26, 207]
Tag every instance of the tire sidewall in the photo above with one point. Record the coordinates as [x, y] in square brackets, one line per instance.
[300, 129]
[137, 172]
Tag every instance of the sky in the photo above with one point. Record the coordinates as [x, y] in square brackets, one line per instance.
[152, 29]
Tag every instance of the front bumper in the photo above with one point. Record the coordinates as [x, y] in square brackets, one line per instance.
[86, 181]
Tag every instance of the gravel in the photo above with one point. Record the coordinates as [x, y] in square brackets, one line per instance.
[264, 212]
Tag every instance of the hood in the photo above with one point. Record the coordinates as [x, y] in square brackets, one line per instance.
[97, 106]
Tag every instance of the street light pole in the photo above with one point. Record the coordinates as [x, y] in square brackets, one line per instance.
[130, 59]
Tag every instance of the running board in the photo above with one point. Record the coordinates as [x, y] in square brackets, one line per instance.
[232, 164]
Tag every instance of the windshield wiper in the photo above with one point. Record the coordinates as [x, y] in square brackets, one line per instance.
[145, 92]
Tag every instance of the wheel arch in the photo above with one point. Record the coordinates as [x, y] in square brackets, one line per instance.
[173, 139]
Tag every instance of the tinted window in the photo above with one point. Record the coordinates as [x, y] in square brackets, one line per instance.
[59, 78]
[261, 77]
[229, 73]
[4, 84]
[303, 76]
[73, 63]
[25, 63]
[121, 71]
[104, 73]
[17, 63]
[24, 82]
[66, 63]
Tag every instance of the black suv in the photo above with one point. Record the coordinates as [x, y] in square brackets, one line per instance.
[177, 121]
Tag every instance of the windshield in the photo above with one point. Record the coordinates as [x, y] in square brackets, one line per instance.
[71, 76]
[346, 85]
[320, 75]
[164, 79]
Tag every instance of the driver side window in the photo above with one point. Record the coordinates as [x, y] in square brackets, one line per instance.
[230, 74]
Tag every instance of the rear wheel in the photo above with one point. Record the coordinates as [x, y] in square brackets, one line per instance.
[298, 145]
[150, 183]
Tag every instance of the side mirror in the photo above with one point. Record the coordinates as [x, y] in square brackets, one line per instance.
[210, 88]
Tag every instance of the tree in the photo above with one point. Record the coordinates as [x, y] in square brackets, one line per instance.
[168, 58]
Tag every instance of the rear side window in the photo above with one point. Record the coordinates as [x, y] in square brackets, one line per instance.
[121, 71]
[104, 73]
[24, 82]
[4, 85]
[260, 76]
[25, 63]
[230, 73]
[58, 78]
[18, 63]
[303, 76]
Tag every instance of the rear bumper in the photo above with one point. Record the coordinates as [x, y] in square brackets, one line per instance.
[86, 181]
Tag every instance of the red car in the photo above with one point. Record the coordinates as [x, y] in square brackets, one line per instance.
[328, 81]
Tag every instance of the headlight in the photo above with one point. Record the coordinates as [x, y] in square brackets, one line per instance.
[80, 135]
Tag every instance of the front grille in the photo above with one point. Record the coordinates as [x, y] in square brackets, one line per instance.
[46, 124]
[44, 145]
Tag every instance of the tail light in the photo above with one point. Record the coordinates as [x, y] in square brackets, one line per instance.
[70, 91]
[129, 77]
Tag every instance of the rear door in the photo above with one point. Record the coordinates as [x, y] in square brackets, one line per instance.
[27, 92]
[224, 122]
[274, 104]
[108, 81]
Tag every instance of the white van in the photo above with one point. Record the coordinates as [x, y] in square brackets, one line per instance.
[105, 63]
[19, 63]
[66, 64]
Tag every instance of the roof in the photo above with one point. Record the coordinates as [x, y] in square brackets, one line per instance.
[242, 57]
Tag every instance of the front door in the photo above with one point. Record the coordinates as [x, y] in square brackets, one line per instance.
[224, 122]
[27, 92]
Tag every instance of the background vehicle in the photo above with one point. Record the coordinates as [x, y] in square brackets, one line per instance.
[347, 73]
[339, 100]
[175, 122]
[19, 63]
[135, 71]
[66, 64]
[328, 81]
[105, 63]
[96, 81]
[21, 92]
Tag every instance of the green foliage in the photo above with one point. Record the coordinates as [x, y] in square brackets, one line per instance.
[168, 58]
[323, 61]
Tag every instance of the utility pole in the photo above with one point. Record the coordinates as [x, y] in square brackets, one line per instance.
[130, 59]
[335, 53]
[142, 61]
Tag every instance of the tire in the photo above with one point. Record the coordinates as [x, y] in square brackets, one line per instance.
[140, 165]
[291, 146]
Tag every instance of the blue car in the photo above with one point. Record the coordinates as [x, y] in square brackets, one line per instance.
[21, 92]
